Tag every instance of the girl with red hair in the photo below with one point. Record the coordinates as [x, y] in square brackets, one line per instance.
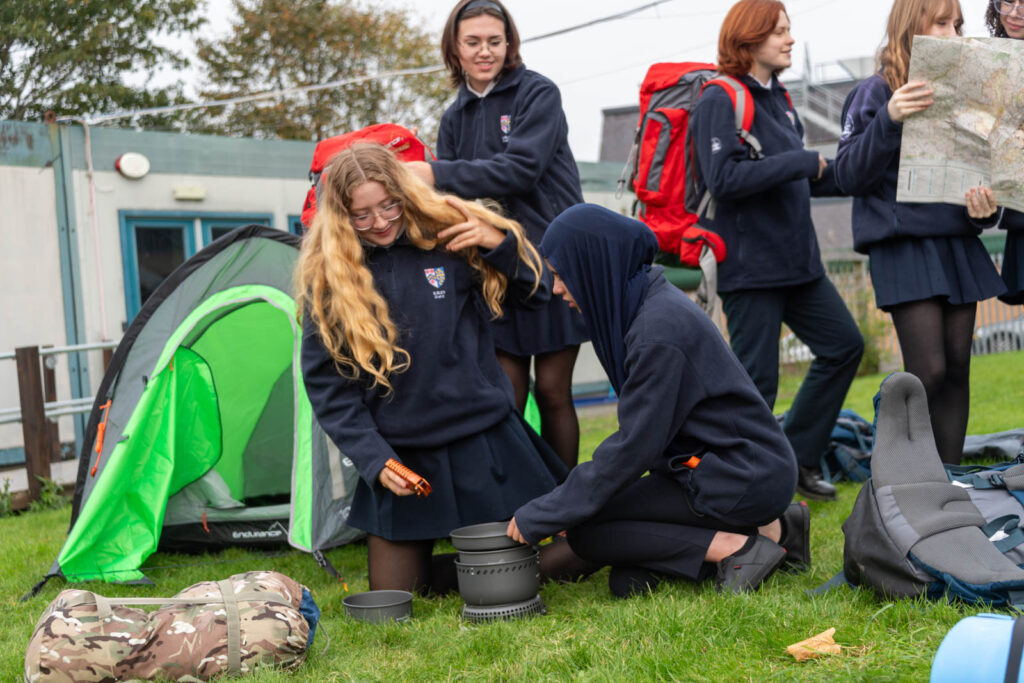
[773, 272]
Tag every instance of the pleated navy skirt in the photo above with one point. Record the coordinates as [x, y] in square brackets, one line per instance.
[482, 478]
[1013, 267]
[527, 333]
[957, 269]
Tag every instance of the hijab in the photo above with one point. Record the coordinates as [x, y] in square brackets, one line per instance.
[604, 259]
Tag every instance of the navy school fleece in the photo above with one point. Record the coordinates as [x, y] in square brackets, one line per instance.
[1011, 220]
[763, 207]
[454, 386]
[684, 394]
[867, 165]
[511, 146]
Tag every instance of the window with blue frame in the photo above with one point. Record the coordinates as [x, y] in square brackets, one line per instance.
[216, 227]
[154, 243]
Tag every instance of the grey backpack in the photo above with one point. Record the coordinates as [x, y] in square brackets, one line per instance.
[919, 528]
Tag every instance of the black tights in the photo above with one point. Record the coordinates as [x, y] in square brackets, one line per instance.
[412, 566]
[409, 566]
[935, 339]
[552, 389]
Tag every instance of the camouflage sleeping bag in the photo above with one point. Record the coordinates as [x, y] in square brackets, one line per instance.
[210, 628]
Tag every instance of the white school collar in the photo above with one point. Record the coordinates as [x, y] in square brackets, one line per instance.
[487, 90]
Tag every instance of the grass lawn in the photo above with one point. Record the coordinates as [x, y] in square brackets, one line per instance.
[683, 631]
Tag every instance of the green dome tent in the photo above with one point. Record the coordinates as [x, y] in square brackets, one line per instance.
[208, 440]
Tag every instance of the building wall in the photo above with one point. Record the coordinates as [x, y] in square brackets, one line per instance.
[618, 130]
[30, 280]
[152, 196]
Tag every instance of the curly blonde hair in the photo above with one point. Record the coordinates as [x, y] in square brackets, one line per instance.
[335, 287]
[905, 21]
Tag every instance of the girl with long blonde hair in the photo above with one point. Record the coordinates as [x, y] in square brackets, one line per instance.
[397, 285]
[928, 266]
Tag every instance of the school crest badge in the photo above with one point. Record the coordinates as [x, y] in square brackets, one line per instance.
[435, 276]
[506, 123]
[792, 117]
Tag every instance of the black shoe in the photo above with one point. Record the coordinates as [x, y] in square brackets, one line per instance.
[744, 570]
[626, 582]
[796, 537]
[810, 484]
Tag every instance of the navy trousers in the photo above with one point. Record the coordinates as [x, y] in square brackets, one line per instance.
[652, 523]
[819, 318]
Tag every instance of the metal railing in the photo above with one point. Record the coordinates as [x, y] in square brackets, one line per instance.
[54, 409]
[39, 407]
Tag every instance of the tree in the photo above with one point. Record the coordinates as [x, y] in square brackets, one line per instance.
[280, 44]
[76, 57]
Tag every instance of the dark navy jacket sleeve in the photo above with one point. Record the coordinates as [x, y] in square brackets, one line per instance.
[1010, 219]
[532, 145]
[827, 186]
[685, 394]
[870, 141]
[520, 292]
[763, 211]
[651, 408]
[339, 407]
[726, 168]
[867, 168]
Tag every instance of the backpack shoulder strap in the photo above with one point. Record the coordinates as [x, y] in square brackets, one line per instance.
[743, 106]
[740, 96]
[786, 93]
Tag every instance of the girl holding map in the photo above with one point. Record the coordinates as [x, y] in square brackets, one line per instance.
[1006, 20]
[928, 266]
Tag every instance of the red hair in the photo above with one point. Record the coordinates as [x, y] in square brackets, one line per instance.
[747, 25]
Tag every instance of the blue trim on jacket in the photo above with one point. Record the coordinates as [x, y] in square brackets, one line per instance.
[867, 166]
[511, 146]
[763, 207]
[454, 386]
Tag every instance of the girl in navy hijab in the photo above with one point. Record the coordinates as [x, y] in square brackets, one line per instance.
[721, 471]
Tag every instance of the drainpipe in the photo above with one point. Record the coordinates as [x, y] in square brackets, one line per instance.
[70, 268]
[101, 294]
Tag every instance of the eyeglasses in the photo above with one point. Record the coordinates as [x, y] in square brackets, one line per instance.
[477, 45]
[1008, 6]
[390, 213]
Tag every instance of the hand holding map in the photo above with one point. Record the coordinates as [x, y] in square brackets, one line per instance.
[973, 134]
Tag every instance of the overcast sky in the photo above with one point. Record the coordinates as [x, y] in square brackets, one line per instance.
[602, 66]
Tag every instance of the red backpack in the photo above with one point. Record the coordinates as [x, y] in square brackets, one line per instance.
[400, 140]
[661, 166]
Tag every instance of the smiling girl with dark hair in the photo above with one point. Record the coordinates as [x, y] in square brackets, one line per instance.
[506, 138]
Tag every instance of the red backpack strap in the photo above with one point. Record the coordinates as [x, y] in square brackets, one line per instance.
[788, 98]
[743, 106]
